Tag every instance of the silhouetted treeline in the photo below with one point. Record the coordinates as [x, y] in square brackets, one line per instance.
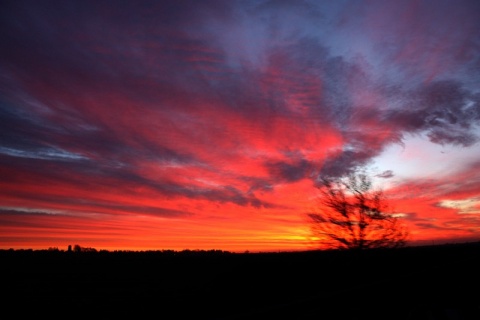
[215, 284]
[187, 252]
[79, 249]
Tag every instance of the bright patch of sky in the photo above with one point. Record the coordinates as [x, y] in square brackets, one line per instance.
[420, 158]
[465, 206]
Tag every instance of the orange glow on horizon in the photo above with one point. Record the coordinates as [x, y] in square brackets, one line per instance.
[162, 133]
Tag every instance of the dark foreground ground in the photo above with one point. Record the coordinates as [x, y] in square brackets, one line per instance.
[438, 282]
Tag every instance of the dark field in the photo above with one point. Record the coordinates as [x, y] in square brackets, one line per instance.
[437, 282]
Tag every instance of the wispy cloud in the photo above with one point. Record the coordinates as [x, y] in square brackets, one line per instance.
[163, 108]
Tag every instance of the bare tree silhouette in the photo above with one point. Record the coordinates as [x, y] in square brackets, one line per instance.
[355, 216]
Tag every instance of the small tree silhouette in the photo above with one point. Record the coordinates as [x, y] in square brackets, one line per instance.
[354, 216]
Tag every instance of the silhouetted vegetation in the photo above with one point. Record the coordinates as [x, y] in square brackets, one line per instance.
[354, 216]
[400, 283]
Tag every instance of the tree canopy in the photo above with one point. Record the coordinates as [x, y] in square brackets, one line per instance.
[353, 215]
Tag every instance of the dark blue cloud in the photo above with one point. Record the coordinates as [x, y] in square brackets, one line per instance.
[92, 88]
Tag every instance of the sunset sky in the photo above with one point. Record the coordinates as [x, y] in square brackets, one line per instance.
[151, 125]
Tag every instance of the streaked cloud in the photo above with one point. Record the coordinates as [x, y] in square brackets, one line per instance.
[220, 110]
